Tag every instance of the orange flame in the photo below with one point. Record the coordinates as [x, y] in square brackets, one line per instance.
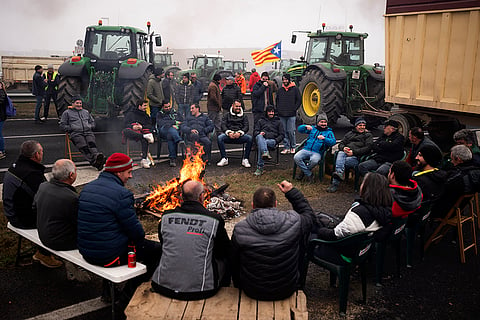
[168, 196]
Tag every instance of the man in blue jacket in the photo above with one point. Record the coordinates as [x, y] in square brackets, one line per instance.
[319, 139]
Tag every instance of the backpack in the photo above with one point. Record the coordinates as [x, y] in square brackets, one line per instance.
[10, 111]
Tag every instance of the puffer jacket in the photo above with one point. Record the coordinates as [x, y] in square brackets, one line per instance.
[168, 119]
[202, 124]
[197, 91]
[361, 217]
[76, 121]
[405, 199]
[288, 100]
[233, 122]
[184, 93]
[229, 94]
[359, 143]
[313, 143]
[106, 220]
[155, 91]
[388, 148]
[269, 247]
[272, 127]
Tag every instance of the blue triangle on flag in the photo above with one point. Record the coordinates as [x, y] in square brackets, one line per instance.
[277, 50]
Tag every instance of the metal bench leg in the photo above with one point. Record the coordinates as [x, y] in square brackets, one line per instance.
[112, 294]
[19, 248]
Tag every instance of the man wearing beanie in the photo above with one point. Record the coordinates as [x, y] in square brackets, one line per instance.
[155, 93]
[319, 139]
[288, 101]
[418, 140]
[354, 145]
[79, 124]
[385, 150]
[108, 227]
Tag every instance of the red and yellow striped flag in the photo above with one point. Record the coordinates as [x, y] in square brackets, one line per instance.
[269, 54]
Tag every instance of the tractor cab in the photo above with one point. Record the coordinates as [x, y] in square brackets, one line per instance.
[162, 59]
[207, 64]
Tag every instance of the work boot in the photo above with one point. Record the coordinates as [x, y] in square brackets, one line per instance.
[332, 188]
[300, 176]
[266, 155]
[340, 176]
[47, 261]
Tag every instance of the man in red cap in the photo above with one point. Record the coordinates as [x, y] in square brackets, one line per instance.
[108, 227]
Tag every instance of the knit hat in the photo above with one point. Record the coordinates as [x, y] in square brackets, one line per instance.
[322, 116]
[217, 77]
[359, 121]
[431, 154]
[118, 162]
[76, 97]
[392, 123]
[158, 71]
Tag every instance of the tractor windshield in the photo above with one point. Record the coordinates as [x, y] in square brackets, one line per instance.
[228, 65]
[163, 59]
[208, 63]
[318, 50]
[346, 51]
[109, 45]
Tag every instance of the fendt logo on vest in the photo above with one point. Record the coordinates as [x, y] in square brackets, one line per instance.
[194, 225]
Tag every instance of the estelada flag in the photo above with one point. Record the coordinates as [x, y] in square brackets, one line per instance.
[269, 54]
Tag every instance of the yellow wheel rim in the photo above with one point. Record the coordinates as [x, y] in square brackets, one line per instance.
[311, 99]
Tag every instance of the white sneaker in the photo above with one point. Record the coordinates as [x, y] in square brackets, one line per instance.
[149, 137]
[223, 162]
[245, 163]
[150, 160]
[145, 163]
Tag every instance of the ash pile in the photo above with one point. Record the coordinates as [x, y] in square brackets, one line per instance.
[226, 205]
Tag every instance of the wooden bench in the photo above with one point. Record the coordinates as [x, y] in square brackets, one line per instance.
[112, 275]
[228, 304]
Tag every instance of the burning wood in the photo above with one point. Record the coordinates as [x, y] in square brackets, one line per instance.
[168, 196]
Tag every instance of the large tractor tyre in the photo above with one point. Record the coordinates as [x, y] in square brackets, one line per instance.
[404, 123]
[135, 90]
[67, 88]
[376, 89]
[320, 94]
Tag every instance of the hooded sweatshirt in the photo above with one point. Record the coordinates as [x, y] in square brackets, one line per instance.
[406, 199]
[288, 100]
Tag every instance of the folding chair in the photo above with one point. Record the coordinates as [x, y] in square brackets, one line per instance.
[68, 149]
[454, 218]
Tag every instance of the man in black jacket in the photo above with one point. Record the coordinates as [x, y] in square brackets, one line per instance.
[20, 185]
[288, 102]
[269, 245]
[231, 92]
[386, 149]
[234, 130]
[198, 127]
[168, 127]
[38, 90]
[262, 96]
[268, 133]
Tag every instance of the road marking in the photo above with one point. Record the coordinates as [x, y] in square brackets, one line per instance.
[74, 310]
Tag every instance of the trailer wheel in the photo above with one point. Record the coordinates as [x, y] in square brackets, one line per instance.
[135, 90]
[320, 94]
[404, 123]
[67, 88]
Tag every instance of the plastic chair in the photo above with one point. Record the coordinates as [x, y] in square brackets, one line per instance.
[417, 227]
[394, 238]
[353, 250]
[68, 149]
[356, 183]
[321, 163]
[454, 218]
[267, 162]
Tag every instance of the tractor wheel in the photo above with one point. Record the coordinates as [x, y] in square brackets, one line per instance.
[377, 89]
[135, 90]
[320, 94]
[67, 88]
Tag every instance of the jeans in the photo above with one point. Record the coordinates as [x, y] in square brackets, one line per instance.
[307, 160]
[263, 145]
[183, 110]
[223, 138]
[289, 125]
[38, 106]
[172, 137]
[2, 140]
[136, 136]
[216, 119]
[153, 115]
[344, 161]
[372, 165]
[48, 97]
[204, 141]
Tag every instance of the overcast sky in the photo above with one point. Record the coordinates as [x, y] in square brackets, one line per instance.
[55, 25]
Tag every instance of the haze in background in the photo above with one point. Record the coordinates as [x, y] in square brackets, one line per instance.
[32, 27]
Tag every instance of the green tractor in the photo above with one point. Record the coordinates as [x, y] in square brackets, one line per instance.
[336, 80]
[291, 66]
[206, 66]
[165, 61]
[113, 71]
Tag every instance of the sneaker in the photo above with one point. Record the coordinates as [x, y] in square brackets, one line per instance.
[266, 155]
[245, 163]
[222, 162]
[145, 163]
[340, 176]
[300, 176]
[258, 172]
[332, 188]
[3, 155]
[285, 151]
[47, 261]
[173, 163]
[149, 137]
[151, 162]
[292, 151]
